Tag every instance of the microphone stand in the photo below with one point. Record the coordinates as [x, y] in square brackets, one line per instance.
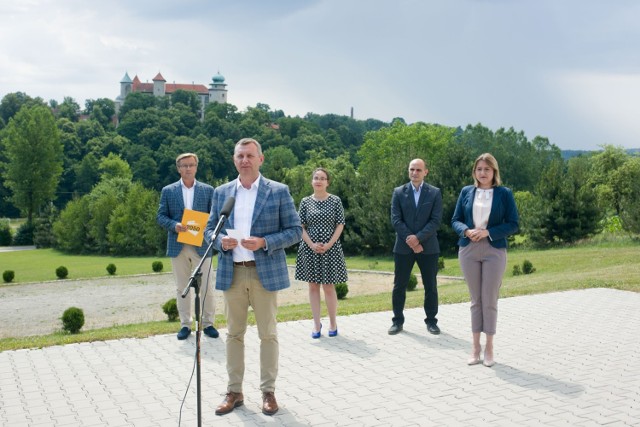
[195, 282]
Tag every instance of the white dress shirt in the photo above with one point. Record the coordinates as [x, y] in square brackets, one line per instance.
[242, 216]
[187, 194]
[482, 208]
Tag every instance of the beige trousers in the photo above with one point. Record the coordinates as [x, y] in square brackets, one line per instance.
[246, 290]
[183, 266]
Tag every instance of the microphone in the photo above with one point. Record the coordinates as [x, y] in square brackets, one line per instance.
[224, 214]
[227, 207]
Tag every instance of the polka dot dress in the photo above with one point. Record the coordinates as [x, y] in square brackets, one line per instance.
[320, 218]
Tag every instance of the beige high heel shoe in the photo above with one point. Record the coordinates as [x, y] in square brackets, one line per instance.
[488, 360]
[475, 357]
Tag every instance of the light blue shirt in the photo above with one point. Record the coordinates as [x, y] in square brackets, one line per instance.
[416, 193]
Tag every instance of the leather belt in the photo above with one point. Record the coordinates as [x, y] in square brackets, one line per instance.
[245, 263]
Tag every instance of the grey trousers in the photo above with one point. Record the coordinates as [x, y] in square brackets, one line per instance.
[483, 267]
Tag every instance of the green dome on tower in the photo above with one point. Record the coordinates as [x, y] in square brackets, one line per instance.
[218, 78]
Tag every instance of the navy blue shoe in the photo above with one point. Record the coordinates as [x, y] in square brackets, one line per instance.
[211, 332]
[316, 335]
[184, 333]
[333, 333]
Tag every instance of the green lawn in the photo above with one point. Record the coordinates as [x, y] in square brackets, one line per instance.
[590, 265]
[40, 265]
[87, 266]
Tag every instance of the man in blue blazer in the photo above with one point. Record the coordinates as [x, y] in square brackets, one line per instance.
[416, 213]
[187, 193]
[252, 267]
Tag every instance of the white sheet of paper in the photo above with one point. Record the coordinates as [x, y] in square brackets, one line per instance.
[236, 234]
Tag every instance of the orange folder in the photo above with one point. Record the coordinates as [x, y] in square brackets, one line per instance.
[196, 222]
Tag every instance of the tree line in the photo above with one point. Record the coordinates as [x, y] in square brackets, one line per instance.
[88, 180]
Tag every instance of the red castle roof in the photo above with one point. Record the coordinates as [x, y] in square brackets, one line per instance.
[169, 88]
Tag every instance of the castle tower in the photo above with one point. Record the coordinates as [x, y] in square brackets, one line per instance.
[125, 89]
[159, 85]
[218, 89]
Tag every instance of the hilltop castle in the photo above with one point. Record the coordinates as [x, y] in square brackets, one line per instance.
[217, 91]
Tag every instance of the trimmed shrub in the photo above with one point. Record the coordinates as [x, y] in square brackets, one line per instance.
[111, 269]
[516, 270]
[342, 289]
[62, 272]
[8, 276]
[170, 308]
[527, 267]
[157, 266]
[440, 263]
[413, 282]
[73, 320]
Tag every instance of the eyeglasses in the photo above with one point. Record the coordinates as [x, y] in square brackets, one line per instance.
[191, 165]
[319, 178]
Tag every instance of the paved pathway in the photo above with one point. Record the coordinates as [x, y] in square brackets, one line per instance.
[564, 359]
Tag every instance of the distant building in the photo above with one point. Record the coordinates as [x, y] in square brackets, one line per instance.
[217, 91]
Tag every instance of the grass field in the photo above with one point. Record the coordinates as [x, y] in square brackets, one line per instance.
[40, 265]
[590, 265]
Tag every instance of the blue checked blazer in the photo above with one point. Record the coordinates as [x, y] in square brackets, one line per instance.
[274, 218]
[171, 209]
[503, 218]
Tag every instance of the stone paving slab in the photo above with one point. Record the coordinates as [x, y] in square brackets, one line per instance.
[564, 359]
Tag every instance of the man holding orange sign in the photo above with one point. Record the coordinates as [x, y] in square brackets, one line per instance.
[183, 212]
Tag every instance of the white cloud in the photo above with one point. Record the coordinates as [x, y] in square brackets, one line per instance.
[566, 70]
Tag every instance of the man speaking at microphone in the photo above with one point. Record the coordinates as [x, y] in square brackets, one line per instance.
[252, 267]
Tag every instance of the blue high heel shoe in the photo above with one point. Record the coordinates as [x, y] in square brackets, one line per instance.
[333, 333]
[316, 335]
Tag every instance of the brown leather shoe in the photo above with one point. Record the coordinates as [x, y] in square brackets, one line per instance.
[231, 401]
[269, 404]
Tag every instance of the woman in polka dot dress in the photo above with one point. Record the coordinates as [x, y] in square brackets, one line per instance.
[320, 258]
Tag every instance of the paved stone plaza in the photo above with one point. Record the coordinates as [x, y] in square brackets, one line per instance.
[564, 359]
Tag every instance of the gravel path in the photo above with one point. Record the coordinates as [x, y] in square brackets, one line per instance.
[36, 308]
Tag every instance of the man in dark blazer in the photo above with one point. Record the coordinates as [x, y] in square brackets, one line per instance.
[416, 213]
[252, 267]
[187, 193]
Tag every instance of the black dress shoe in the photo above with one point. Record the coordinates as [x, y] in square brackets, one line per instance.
[184, 333]
[211, 332]
[433, 328]
[394, 329]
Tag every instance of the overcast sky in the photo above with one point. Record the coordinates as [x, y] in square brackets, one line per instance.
[568, 70]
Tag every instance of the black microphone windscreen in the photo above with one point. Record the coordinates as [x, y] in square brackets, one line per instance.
[228, 206]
